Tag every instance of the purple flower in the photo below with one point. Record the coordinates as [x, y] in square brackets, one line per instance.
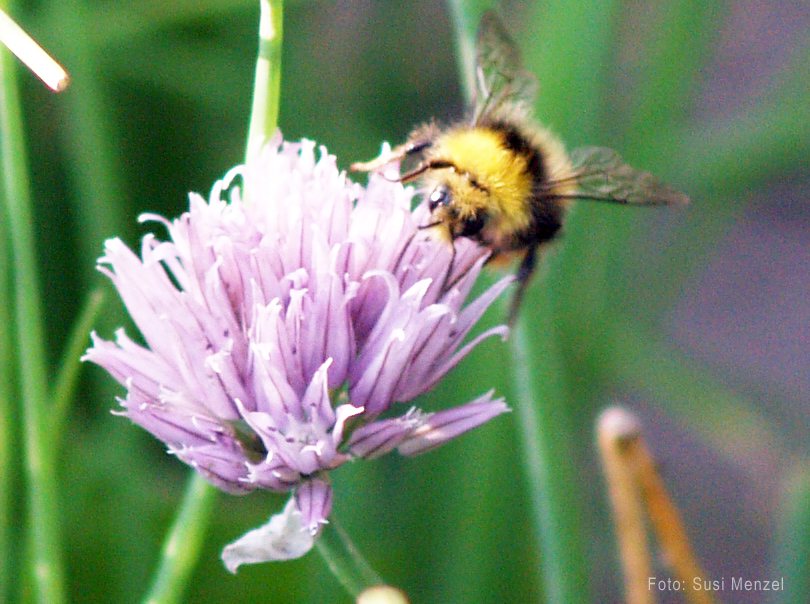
[283, 319]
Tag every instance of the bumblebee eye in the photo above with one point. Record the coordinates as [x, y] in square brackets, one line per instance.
[439, 197]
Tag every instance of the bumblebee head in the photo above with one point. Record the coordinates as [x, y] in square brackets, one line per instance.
[458, 218]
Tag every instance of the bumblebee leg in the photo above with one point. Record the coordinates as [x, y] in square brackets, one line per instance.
[398, 153]
[523, 276]
[395, 154]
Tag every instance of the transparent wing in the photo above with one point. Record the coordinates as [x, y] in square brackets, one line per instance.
[600, 174]
[500, 76]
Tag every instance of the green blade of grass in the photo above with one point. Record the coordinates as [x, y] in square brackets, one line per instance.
[465, 16]
[345, 561]
[8, 441]
[543, 415]
[70, 367]
[727, 161]
[571, 73]
[267, 83]
[44, 535]
[183, 543]
[718, 164]
[792, 551]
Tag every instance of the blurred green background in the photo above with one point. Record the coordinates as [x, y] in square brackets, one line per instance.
[696, 318]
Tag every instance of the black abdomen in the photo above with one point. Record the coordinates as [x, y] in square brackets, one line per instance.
[547, 212]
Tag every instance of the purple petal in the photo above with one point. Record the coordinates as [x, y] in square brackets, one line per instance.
[439, 354]
[314, 499]
[221, 463]
[446, 425]
[380, 437]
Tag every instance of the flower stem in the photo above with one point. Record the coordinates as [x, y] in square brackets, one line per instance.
[344, 560]
[550, 470]
[43, 536]
[70, 368]
[792, 553]
[466, 15]
[267, 83]
[181, 549]
[8, 444]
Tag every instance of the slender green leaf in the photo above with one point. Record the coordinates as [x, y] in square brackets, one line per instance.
[566, 45]
[44, 522]
[571, 78]
[792, 551]
[546, 444]
[345, 561]
[466, 16]
[70, 367]
[267, 84]
[183, 542]
[720, 165]
[572, 89]
[8, 440]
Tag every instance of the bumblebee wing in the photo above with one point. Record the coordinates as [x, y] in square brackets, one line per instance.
[500, 76]
[601, 174]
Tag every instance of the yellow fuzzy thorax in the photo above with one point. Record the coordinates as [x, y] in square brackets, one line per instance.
[481, 154]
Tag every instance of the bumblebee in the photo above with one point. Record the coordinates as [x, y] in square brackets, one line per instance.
[503, 181]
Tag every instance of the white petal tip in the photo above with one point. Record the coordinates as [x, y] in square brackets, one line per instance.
[282, 538]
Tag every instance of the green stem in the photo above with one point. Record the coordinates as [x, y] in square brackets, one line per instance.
[68, 375]
[8, 442]
[344, 560]
[550, 469]
[267, 83]
[793, 540]
[44, 543]
[466, 14]
[181, 548]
